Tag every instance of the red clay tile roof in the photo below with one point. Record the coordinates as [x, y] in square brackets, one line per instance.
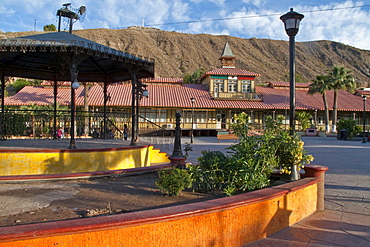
[229, 71]
[60, 83]
[287, 84]
[162, 80]
[363, 92]
[178, 96]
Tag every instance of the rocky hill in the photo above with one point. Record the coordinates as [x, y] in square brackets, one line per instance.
[178, 53]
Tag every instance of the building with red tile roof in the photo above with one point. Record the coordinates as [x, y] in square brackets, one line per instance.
[209, 112]
[222, 92]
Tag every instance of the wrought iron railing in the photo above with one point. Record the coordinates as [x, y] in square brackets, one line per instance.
[155, 134]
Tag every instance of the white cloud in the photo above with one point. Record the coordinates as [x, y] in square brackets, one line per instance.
[349, 26]
[258, 3]
[180, 11]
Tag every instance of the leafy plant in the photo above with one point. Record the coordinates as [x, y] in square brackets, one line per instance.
[187, 149]
[210, 174]
[350, 125]
[303, 118]
[172, 181]
[50, 27]
[290, 152]
[289, 149]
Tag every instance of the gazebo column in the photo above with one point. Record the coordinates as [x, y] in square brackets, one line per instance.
[2, 127]
[133, 108]
[105, 129]
[74, 73]
[55, 94]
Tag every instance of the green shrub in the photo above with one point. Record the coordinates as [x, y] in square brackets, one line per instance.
[172, 181]
[251, 161]
[210, 174]
[350, 125]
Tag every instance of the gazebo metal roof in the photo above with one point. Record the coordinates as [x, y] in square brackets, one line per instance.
[49, 56]
[62, 56]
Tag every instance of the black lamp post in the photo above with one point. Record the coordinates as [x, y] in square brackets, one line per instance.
[192, 120]
[291, 22]
[138, 92]
[364, 120]
[74, 86]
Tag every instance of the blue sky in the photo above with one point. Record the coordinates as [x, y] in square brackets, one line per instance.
[341, 21]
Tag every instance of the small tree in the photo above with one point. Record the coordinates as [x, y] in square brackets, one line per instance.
[17, 86]
[194, 78]
[50, 27]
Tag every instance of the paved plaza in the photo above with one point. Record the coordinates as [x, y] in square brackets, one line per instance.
[346, 218]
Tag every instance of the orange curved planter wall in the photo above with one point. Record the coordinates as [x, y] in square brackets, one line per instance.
[229, 221]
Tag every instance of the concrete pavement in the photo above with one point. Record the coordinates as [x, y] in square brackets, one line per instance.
[346, 218]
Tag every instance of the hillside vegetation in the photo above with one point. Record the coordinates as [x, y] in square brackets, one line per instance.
[178, 53]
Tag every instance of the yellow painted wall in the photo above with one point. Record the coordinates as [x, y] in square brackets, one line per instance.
[235, 222]
[67, 161]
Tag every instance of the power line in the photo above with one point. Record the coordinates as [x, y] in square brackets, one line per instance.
[252, 16]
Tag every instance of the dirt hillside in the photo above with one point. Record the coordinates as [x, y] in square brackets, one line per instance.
[178, 53]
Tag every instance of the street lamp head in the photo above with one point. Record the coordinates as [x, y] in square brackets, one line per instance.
[364, 97]
[291, 21]
[146, 93]
[192, 100]
[75, 84]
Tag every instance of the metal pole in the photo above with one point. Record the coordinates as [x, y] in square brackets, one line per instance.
[138, 87]
[55, 108]
[133, 108]
[2, 125]
[72, 143]
[292, 84]
[192, 121]
[60, 19]
[177, 152]
[70, 24]
[105, 110]
[364, 120]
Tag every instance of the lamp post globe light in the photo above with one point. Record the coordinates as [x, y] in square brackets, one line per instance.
[192, 120]
[364, 120]
[75, 85]
[291, 21]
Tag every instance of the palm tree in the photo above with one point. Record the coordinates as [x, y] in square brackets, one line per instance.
[340, 79]
[321, 85]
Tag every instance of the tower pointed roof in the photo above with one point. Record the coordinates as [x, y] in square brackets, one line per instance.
[227, 57]
[227, 51]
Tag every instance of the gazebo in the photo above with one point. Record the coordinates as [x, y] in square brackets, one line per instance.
[62, 56]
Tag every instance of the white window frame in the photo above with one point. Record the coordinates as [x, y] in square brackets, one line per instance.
[246, 86]
[232, 86]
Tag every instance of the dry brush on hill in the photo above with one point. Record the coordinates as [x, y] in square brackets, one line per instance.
[178, 53]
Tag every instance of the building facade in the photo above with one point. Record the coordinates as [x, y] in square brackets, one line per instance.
[220, 94]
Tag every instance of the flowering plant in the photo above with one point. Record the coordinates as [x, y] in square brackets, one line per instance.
[290, 152]
[289, 148]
